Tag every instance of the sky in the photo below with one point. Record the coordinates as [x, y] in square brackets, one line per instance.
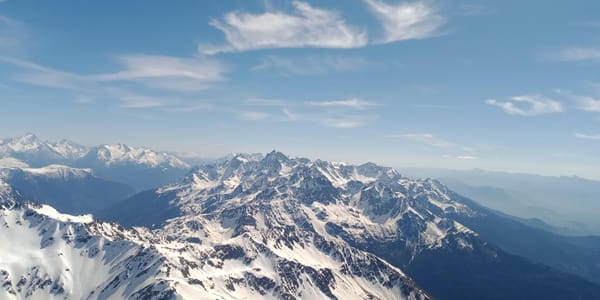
[499, 85]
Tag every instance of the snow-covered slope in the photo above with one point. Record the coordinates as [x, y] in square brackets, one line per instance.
[11, 162]
[8, 198]
[366, 201]
[47, 255]
[58, 171]
[60, 256]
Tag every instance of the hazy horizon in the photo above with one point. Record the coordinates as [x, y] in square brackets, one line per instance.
[194, 156]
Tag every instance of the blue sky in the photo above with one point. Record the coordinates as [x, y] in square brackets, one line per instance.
[501, 85]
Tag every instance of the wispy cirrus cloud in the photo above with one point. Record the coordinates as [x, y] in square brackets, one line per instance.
[140, 100]
[310, 65]
[253, 115]
[423, 138]
[467, 157]
[588, 103]
[305, 26]
[344, 120]
[582, 102]
[527, 105]
[166, 72]
[171, 80]
[407, 20]
[434, 141]
[353, 103]
[32, 73]
[130, 100]
[578, 54]
[334, 114]
[266, 102]
[12, 33]
[585, 136]
[158, 72]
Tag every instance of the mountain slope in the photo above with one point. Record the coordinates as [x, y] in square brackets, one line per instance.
[75, 191]
[573, 254]
[409, 223]
[61, 256]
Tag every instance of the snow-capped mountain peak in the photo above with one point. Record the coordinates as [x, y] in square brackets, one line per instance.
[139, 167]
[25, 143]
[35, 151]
[30, 149]
[342, 200]
[111, 154]
[68, 149]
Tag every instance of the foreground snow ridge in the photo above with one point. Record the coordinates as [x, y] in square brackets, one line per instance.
[58, 256]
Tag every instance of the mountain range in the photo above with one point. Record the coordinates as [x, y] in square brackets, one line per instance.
[84, 258]
[139, 167]
[266, 226]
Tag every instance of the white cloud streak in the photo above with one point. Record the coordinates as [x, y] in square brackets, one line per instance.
[158, 72]
[407, 20]
[589, 104]
[338, 114]
[350, 103]
[579, 54]
[431, 140]
[305, 26]
[39, 75]
[11, 34]
[266, 102]
[424, 138]
[142, 101]
[344, 121]
[327, 119]
[527, 105]
[311, 27]
[146, 71]
[167, 72]
[253, 115]
[467, 157]
[310, 65]
[584, 136]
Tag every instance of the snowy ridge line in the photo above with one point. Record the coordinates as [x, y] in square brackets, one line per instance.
[17, 152]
